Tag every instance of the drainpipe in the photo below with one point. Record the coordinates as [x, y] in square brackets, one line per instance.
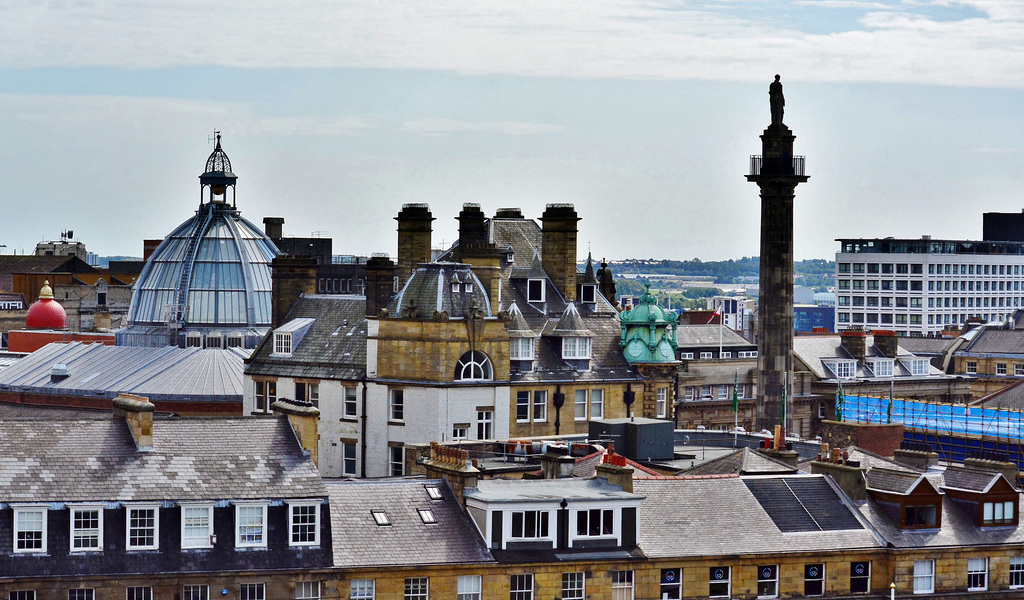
[558, 401]
[362, 434]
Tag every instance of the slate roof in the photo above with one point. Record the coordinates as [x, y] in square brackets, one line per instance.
[334, 346]
[1011, 397]
[546, 490]
[892, 481]
[523, 236]
[28, 263]
[359, 542]
[720, 516]
[811, 350]
[926, 346]
[870, 460]
[9, 410]
[586, 466]
[429, 289]
[744, 461]
[959, 527]
[969, 480]
[45, 460]
[160, 374]
[993, 340]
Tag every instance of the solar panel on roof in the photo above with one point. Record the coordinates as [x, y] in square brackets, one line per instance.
[802, 504]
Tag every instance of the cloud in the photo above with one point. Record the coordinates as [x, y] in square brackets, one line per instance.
[571, 38]
[442, 126]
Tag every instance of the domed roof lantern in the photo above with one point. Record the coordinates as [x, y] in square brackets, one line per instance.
[217, 177]
[46, 313]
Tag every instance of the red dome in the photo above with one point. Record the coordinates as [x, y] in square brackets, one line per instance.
[46, 313]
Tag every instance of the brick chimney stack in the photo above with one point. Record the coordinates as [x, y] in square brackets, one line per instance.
[855, 342]
[380, 283]
[138, 414]
[886, 342]
[414, 230]
[292, 277]
[454, 466]
[558, 247]
[614, 469]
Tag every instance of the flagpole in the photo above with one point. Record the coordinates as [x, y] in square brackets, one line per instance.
[721, 328]
[735, 407]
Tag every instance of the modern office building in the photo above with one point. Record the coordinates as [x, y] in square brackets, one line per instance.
[923, 286]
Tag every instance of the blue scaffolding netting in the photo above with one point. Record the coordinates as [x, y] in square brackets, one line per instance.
[939, 418]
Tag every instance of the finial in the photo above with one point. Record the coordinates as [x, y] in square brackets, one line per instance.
[45, 291]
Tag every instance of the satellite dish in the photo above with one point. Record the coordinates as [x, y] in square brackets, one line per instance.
[686, 439]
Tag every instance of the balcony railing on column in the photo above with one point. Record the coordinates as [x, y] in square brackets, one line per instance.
[776, 166]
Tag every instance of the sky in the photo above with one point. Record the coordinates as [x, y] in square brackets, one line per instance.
[643, 114]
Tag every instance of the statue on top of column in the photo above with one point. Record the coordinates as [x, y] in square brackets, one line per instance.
[777, 101]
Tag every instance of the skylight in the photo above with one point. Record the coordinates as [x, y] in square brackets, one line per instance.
[433, 492]
[380, 517]
[426, 515]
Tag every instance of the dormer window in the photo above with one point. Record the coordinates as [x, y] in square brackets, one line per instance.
[882, 367]
[535, 290]
[916, 366]
[588, 293]
[997, 513]
[844, 369]
[530, 524]
[522, 349]
[920, 515]
[576, 347]
[283, 343]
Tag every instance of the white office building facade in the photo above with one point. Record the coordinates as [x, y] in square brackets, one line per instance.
[923, 286]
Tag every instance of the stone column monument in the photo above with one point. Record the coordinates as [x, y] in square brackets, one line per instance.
[777, 172]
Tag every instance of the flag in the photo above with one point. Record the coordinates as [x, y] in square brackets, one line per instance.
[735, 393]
[718, 312]
[839, 402]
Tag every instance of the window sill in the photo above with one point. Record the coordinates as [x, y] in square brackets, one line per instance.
[399, 423]
[349, 420]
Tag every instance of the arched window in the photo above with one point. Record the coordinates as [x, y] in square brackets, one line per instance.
[474, 366]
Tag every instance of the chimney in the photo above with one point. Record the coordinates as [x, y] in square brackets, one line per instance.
[380, 283]
[885, 341]
[1008, 469]
[292, 277]
[414, 228]
[454, 466]
[614, 470]
[148, 247]
[558, 247]
[472, 226]
[305, 420]
[849, 479]
[475, 249]
[138, 414]
[556, 465]
[855, 342]
[273, 227]
[916, 458]
[508, 213]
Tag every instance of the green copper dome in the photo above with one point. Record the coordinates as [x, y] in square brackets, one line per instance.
[648, 332]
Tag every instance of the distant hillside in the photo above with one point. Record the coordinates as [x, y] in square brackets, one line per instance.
[818, 274]
[105, 260]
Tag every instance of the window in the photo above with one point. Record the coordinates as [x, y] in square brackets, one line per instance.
[529, 524]
[686, 356]
[86, 528]
[396, 461]
[522, 348]
[484, 424]
[596, 522]
[574, 585]
[723, 392]
[362, 589]
[661, 403]
[417, 588]
[924, 576]
[1016, 572]
[922, 515]
[971, 367]
[1018, 369]
[535, 290]
[142, 527]
[821, 410]
[469, 588]
[844, 369]
[307, 590]
[844, 267]
[814, 580]
[349, 464]
[397, 405]
[706, 355]
[307, 392]
[719, 582]
[997, 513]
[266, 394]
[283, 343]
[622, 585]
[729, 354]
[196, 526]
[304, 524]
[380, 518]
[523, 407]
[581, 405]
[588, 293]
[195, 592]
[1000, 368]
[460, 432]
[671, 584]
[427, 516]
[474, 366]
[252, 591]
[886, 269]
[139, 593]
[918, 366]
[521, 587]
[540, 406]
[350, 407]
[977, 574]
[597, 404]
[251, 525]
[21, 595]
[575, 347]
[81, 594]
[768, 581]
